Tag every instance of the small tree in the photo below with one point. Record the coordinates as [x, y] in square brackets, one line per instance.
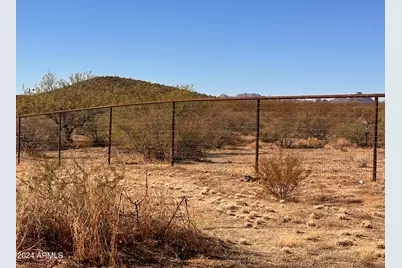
[48, 96]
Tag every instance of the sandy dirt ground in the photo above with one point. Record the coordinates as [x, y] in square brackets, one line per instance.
[336, 221]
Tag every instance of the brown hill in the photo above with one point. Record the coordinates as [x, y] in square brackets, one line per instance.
[101, 90]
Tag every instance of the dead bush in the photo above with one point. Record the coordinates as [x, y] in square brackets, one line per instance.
[91, 214]
[282, 174]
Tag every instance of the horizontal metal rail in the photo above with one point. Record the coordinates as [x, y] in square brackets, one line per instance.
[301, 97]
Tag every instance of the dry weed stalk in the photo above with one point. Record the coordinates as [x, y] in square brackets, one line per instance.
[87, 212]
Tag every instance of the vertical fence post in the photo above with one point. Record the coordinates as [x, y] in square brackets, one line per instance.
[110, 135]
[19, 140]
[173, 129]
[375, 139]
[59, 145]
[257, 136]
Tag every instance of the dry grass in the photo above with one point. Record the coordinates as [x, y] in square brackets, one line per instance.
[93, 215]
[332, 189]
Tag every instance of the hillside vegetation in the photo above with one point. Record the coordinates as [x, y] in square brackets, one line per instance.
[90, 91]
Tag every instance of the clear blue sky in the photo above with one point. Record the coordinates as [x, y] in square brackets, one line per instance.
[270, 47]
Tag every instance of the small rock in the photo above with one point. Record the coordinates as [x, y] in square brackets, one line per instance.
[381, 246]
[282, 201]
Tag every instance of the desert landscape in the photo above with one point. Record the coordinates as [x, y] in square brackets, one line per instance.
[336, 219]
[138, 174]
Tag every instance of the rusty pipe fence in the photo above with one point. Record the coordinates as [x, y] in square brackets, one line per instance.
[182, 130]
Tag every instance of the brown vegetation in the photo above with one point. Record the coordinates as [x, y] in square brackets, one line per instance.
[92, 214]
[282, 174]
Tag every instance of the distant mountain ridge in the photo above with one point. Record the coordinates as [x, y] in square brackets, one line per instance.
[364, 100]
[242, 95]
